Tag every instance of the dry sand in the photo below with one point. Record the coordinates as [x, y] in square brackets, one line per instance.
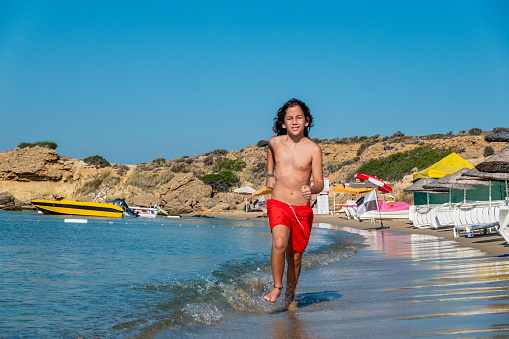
[491, 244]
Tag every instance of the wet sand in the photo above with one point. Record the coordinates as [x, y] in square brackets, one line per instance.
[406, 283]
[400, 286]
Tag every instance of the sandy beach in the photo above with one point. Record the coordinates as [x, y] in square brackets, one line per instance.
[407, 283]
[491, 244]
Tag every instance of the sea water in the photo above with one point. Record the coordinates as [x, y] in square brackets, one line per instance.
[120, 278]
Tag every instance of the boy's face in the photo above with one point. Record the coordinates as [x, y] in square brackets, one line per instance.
[295, 121]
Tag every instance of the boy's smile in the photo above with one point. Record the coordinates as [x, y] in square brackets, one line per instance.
[295, 121]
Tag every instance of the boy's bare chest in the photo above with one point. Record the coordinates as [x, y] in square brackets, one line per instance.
[296, 159]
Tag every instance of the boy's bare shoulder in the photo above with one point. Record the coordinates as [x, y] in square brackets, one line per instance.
[275, 140]
[313, 145]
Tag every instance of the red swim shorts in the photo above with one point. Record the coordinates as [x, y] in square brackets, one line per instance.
[281, 213]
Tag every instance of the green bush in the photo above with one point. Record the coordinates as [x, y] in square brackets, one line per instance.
[232, 165]
[262, 143]
[179, 167]
[397, 165]
[222, 181]
[488, 150]
[121, 169]
[89, 187]
[47, 144]
[97, 160]
[475, 131]
[147, 180]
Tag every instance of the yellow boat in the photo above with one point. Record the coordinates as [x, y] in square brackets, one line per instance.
[69, 207]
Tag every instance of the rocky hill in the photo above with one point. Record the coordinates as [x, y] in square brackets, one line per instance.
[207, 180]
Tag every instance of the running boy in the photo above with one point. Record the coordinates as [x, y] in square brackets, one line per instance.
[294, 157]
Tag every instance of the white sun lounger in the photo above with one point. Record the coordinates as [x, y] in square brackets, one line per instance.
[480, 216]
[423, 216]
[503, 229]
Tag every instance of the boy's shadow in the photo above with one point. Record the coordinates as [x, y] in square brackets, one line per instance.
[307, 299]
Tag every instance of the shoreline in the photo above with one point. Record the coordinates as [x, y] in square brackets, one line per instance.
[398, 286]
[492, 244]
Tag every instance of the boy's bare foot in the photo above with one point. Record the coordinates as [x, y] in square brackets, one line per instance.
[274, 294]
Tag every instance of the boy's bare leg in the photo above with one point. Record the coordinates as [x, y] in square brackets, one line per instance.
[293, 258]
[280, 236]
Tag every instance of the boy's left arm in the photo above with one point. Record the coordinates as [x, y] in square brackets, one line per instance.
[317, 172]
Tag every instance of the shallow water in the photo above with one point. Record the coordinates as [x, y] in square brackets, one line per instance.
[121, 277]
[400, 286]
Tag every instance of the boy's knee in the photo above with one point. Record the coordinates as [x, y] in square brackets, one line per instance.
[279, 243]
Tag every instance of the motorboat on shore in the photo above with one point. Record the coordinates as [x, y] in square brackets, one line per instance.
[69, 207]
[145, 212]
[95, 208]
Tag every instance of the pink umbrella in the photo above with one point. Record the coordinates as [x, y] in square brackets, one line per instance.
[377, 184]
[374, 182]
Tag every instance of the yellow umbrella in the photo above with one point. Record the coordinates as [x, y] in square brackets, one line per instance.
[348, 189]
[262, 191]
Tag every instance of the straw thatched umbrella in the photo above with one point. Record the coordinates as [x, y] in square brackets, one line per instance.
[462, 178]
[497, 163]
[474, 172]
[418, 187]
[451, 182]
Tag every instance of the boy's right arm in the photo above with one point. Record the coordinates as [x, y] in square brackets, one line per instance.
[271, 181]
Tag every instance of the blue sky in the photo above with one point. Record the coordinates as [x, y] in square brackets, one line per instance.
[134, 81]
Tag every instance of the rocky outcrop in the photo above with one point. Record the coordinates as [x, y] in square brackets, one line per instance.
[32, 164]
[502, 136]
[6, 199]
[183, 193]
[40, 173]
[9, 202]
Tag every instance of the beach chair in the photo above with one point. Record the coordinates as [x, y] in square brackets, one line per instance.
[476, 216]
[503, 229]
[444, 216]
[423, 216]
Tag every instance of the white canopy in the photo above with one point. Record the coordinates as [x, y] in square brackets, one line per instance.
[244, 190]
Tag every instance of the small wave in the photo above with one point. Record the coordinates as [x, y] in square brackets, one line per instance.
[240, 286]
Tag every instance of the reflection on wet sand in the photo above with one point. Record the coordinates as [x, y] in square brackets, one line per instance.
[290, 327]
[400, 286]
[464, 282]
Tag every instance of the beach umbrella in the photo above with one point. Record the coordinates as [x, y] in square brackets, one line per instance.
[418, 187]
[374, 182]
[347, 189]
[497, 163]
[377, 184]
[350, 190]
[474, 172]
[262, 191]
[246, 190]
[451, 182]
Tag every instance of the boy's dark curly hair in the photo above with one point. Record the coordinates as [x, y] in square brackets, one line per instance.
[279, 120]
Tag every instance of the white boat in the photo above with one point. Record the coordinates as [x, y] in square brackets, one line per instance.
[145, 212]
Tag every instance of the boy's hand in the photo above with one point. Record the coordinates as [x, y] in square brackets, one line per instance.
[270, 182]
[306, 192]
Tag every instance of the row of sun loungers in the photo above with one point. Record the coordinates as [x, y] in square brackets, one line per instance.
[481, 216]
